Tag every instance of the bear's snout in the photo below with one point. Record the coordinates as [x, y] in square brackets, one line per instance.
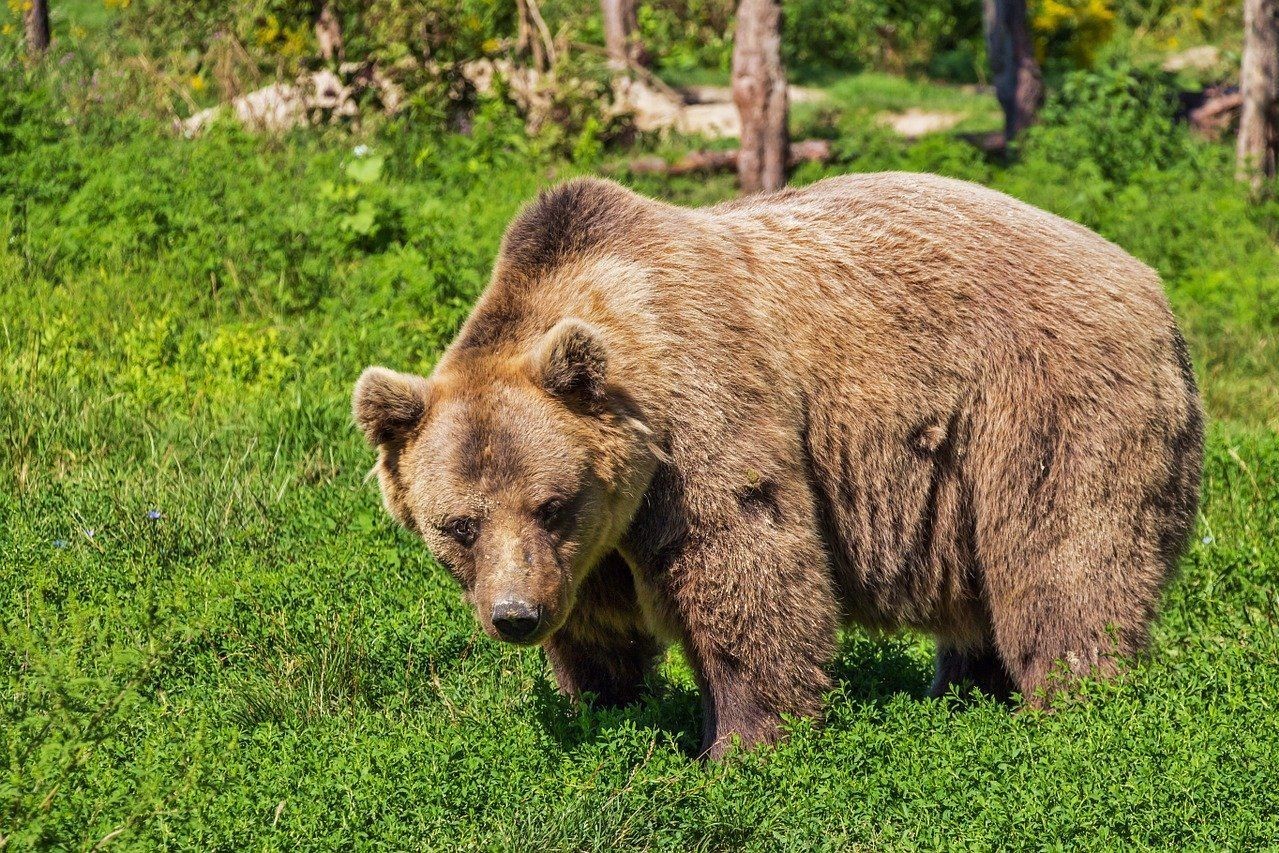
[516, 620]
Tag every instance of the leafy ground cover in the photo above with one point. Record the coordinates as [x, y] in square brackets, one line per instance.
[211, 636]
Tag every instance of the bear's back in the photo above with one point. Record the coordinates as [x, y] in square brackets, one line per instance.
[895, 263]
[944, 234]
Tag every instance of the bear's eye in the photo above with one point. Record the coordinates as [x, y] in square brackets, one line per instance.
[551, 513]
[464, 529]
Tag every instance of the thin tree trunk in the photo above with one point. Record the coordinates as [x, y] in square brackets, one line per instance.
[328, 33]
[759, 90]
[1018, 83]
[37, 26]
[534, 37]
[621, 35]
[1258, 150]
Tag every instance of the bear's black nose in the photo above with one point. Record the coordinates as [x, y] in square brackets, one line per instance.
[516, 620]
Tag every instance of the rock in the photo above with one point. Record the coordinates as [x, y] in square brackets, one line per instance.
[315, 98]
[1201, 58]
[651, 108]
[706, 111]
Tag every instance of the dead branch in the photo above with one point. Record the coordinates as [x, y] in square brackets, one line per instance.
[535, 35]
[638, 70]
[1216, 114]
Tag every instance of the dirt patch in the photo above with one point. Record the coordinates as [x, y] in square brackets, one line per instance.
[914, 123]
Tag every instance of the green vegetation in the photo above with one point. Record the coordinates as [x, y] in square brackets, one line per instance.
[212, 636]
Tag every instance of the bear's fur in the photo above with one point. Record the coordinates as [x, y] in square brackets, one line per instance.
[893, 400]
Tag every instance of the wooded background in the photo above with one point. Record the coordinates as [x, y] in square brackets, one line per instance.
[427, 47]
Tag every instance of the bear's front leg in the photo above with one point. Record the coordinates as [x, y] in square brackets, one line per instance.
[604, 648]
[759, 622]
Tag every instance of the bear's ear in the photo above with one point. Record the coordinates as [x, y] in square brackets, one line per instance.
[387, 405]
[571, 361]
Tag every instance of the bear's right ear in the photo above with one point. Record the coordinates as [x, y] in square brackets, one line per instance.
[387, 404]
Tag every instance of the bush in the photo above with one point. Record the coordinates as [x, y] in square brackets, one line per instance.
[269, 37]
[901, 36]
[683, 35]
[1115, 122]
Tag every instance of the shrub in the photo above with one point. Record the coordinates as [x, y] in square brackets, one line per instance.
[1117, 121]
[902, 36]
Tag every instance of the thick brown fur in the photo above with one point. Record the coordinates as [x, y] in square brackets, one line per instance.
[893, 400]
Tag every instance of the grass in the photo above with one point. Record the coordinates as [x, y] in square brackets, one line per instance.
[874, 92]
[213, 637]
[868, 94]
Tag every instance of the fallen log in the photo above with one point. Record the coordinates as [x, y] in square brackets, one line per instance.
[1218, 112]
[987, 142]
[806, 151]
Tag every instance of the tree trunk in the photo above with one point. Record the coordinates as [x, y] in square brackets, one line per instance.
[328, 33]
[759, 90]
[37, 26]
[621, 35]
[1018, 83]
[534, 37]
[1258, 148]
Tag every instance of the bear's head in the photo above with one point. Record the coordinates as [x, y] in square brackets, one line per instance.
[520, 470]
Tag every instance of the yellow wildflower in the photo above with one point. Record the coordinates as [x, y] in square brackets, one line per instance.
[269, 31]
[295, 42]
[1074, 28]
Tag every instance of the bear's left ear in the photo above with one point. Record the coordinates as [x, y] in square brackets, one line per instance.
[387, 404]
[571, 361]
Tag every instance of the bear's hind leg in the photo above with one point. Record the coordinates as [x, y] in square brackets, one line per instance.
[1050, 636]
[1073, 588]
[1076, 610]
[1079, 519]
[969, 669]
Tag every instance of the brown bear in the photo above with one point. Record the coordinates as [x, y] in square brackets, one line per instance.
[891, 400]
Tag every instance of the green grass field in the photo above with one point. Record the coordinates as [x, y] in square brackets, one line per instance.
[212, 637]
